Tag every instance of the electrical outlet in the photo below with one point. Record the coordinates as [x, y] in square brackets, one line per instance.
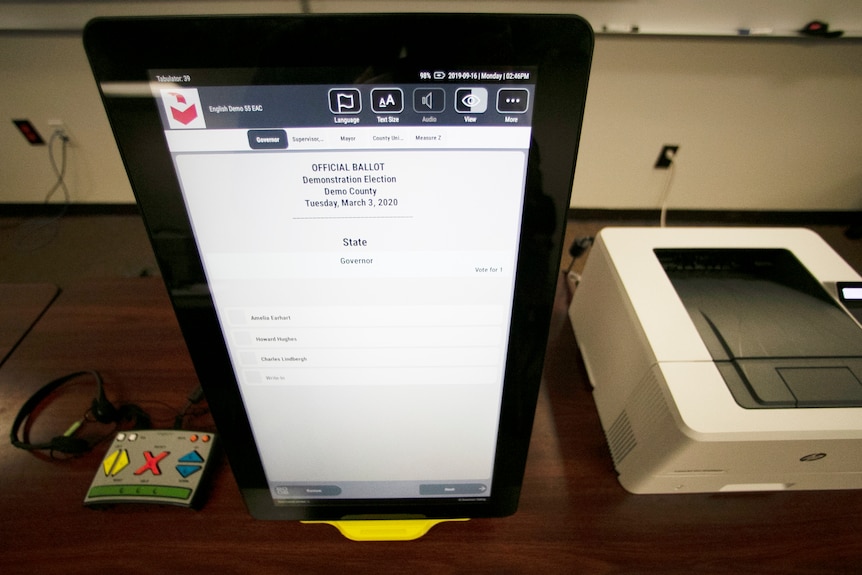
[665, 158]
[59, 127]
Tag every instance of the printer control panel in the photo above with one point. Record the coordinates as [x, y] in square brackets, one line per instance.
[850, 294]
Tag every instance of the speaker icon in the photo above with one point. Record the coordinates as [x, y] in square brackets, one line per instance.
[429, 100]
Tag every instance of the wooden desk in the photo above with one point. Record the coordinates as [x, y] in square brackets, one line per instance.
[573, 518]
[21, 306]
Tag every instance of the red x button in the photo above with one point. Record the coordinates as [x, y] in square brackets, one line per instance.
[152, 463]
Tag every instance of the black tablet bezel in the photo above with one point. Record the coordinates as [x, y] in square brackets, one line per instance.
[122, 51]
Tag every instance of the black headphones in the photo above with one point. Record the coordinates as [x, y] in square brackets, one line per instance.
[101, 410]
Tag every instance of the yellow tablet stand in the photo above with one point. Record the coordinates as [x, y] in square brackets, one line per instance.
[384, 529]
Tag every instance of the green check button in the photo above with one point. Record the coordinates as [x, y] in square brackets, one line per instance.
[142, 491]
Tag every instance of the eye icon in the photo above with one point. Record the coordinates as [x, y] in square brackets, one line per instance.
[471, 100]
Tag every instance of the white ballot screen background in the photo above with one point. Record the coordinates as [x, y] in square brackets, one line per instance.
[365, 297]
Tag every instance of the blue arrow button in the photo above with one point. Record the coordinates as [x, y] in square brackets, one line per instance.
[191, 457]
[186, 470]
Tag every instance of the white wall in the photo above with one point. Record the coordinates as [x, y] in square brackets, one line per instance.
[47, 77]
[772, 124]
[769, 125]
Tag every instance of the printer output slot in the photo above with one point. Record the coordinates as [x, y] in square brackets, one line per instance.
[777, 337]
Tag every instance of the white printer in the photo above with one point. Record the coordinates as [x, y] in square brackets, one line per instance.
[723, 359]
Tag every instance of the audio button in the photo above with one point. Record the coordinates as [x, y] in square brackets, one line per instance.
[429, 100]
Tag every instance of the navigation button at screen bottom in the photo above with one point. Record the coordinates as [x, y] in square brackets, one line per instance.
[453, 489]
[308, 490]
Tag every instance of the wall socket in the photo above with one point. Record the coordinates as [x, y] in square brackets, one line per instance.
[665, 158]
[59, 127]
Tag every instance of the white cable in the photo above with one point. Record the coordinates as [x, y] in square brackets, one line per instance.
[572, 280]
[666, 193]
[38, 232]
[59, 171]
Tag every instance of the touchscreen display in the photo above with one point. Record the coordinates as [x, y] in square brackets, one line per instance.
[359, 242]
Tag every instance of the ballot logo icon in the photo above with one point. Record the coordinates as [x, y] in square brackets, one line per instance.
[345, 101]
[183, 108]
